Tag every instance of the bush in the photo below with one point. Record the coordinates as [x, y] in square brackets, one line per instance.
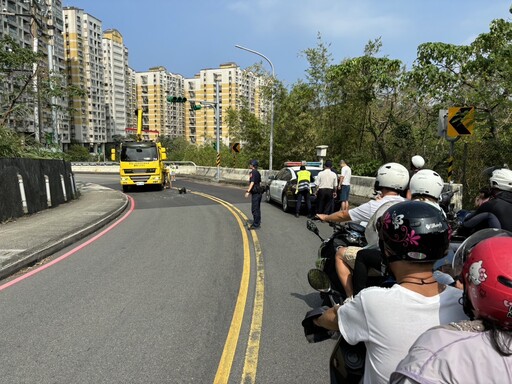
[78, 153]
[10, 143]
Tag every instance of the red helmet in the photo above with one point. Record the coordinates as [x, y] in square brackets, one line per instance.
[487, 277]
[462, 253]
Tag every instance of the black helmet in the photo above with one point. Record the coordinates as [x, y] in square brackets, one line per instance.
[413, 231]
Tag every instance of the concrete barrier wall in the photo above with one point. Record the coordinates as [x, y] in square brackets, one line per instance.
[360, 185]
[32, 185]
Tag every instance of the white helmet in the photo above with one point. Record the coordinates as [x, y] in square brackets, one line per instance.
[417, 161]
[392, 176]
[501, 179]
[426, 182]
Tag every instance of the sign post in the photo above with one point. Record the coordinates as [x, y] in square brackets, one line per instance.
[454, 122]
[235, 147]
[461, 121]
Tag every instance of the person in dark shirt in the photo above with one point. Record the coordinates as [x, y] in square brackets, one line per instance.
[255, 191]
[500, 203]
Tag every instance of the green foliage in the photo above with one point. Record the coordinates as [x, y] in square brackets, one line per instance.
[19, 66]
[363, 166]
[15, 145]
[246, 128]
[10, 143]
[78, 152]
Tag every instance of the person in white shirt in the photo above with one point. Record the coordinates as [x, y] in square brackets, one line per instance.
[391, 180]
[326, 183]
[479, 350]
[344, 185]
[412, 236]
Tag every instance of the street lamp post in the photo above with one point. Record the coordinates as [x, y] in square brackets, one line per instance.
[216, 106]
[271, 103]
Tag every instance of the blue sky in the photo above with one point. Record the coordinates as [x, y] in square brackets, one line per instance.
[187, 36]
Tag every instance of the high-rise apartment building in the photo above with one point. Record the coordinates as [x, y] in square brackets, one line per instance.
[160, 118]
[237, 87]
[37, 25]
[115, 65]
[84, 55]
[131, 99]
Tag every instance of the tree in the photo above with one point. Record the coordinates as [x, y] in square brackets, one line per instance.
[365, 91]
[246, 128]
[19, 68]
[17, 74]
[479, 75]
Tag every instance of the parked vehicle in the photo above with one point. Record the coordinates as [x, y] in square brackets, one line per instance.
[281, 187]
[141, 162]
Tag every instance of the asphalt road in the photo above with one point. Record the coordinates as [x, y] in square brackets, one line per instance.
[152, 301]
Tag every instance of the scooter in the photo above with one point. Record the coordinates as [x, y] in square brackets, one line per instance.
[346, 364]
[344, 235]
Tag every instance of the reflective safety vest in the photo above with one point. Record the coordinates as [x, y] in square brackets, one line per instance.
[303, 180]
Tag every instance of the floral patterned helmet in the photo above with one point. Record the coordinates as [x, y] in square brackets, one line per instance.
[487, 277]
[413, 231]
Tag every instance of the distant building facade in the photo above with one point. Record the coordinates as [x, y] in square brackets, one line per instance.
[84, 56]
[237, 88]
[38, 26]
[115, 72]
[80, 54]
[160, 118]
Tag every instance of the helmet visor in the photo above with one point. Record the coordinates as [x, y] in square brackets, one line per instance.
[465, 248]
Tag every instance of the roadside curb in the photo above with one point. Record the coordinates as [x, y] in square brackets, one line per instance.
[30, 256]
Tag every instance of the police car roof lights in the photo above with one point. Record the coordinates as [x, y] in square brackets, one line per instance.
[299, 163]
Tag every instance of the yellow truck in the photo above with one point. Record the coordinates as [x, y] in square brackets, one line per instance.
[141, 162]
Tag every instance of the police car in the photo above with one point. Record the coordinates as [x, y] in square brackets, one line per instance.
[281, 187]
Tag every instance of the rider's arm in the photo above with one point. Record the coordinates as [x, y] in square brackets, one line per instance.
[336, 217]
[328, 319]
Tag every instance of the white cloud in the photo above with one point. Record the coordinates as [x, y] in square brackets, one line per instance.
[334, 19]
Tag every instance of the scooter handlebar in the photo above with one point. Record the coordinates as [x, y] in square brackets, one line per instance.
[313, 332]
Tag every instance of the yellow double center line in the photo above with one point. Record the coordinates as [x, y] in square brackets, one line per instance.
[253, 344]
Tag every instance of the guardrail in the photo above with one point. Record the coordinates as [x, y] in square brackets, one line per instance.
[360, 185]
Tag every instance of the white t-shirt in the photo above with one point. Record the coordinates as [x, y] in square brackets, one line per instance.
[443, 355]
[346, 172]
[364, 212]
[326, 179]
[389, 320]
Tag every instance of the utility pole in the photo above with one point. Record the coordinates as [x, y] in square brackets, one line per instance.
[217, 125]
[216, 106]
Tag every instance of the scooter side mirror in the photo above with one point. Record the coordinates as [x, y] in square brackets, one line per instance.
[319, 280]
[310, 224]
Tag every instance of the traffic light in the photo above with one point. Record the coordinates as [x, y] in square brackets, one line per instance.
[196, 107]
[176, 99]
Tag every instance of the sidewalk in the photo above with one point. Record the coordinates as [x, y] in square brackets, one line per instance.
[33, 237]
